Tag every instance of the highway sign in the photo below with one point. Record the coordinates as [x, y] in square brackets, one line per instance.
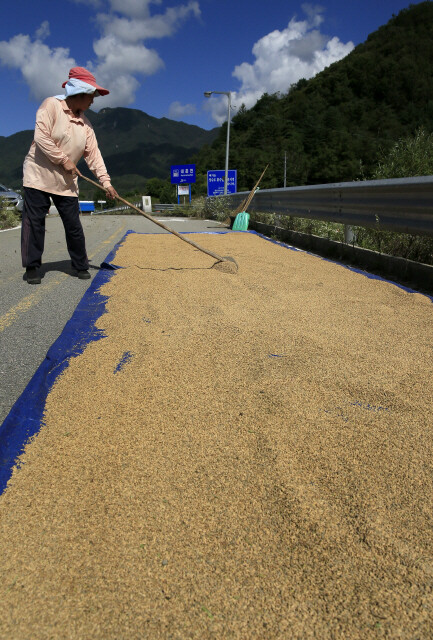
[215, 182]
[182, 173]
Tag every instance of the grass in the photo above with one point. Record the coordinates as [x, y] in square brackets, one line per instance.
[9, 216]
[403, 245]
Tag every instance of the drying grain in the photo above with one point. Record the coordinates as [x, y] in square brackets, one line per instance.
[240, 457]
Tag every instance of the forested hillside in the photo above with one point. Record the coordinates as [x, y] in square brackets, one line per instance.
[334, 126]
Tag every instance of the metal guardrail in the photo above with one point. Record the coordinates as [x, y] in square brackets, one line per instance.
[163, 207]
[157, 208]
[402, 205]
[123, 207]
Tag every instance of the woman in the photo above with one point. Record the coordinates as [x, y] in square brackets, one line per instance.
[63, 135]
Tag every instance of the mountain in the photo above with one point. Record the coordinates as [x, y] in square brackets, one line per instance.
[134, 145]
[335, 126]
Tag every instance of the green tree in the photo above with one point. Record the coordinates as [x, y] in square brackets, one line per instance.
[409, 157]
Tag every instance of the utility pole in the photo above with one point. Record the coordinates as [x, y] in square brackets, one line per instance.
[207, 94]
[285, 167]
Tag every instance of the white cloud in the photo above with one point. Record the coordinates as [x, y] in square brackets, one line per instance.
[43, 69]
[121, 56]
[313, 13]
[116, 66]
[133, 8]
[177, 110]
[43, 31]
[122, 91]
[157, 26]
[281, 59]
[116, 58]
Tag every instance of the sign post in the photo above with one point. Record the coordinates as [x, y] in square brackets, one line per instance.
[183, 190]
[183, 175]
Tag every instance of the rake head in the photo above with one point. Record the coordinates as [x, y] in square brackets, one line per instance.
[226, 265]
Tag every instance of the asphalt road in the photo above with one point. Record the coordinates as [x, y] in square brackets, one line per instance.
[33, 316]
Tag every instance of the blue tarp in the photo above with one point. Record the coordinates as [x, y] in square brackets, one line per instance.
[26, 416]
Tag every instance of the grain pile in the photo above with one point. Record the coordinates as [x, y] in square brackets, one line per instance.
[243, 456]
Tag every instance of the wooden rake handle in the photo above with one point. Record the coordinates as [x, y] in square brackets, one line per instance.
[246, 203]
[160, 224]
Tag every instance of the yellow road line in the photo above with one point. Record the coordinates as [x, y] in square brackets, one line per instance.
[31, 300]
[26, 303]
[108, 241]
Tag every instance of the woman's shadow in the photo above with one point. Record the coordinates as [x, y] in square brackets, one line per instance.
[63, 266]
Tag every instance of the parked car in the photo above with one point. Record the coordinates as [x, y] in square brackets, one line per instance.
[12, 198]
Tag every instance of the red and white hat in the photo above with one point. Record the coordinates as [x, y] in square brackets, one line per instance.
[80, 73]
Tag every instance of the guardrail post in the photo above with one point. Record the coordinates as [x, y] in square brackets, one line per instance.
[348, 234]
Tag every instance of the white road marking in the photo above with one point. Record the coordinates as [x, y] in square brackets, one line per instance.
[11, 229]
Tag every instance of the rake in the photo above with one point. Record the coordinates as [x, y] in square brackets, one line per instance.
[223, 263]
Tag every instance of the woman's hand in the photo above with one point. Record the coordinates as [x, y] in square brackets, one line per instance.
[111, 192]
[69, 167]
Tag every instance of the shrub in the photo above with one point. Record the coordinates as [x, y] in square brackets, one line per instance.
[218, 208]
[9, 216]
[409, 157]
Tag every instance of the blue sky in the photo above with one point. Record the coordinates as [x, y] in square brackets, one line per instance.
[160, 56]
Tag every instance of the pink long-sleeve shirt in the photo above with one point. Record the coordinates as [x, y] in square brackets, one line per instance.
[60, 135]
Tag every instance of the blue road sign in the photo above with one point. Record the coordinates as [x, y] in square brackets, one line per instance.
[215, 182]
[182, 173]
